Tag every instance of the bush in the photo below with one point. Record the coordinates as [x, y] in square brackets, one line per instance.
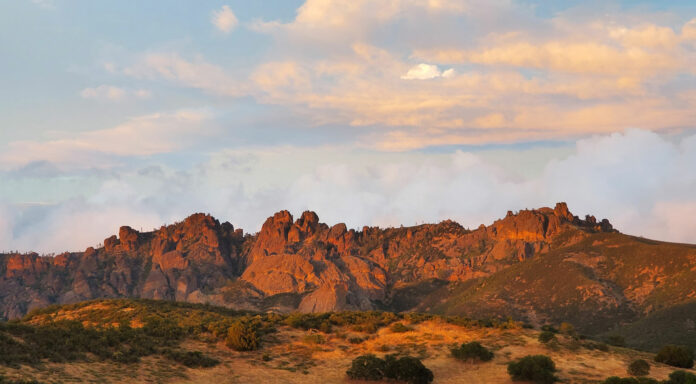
[567, 329]
[638, 367]
[630, 380]
[546, 336]
[681, 377]
[242, 336]
[537, 369]
[472, 351]
[400, 328]
[313, 338]
[367, 367]
[616, 340]
[193, 359]
[408, 369]
[676, 356]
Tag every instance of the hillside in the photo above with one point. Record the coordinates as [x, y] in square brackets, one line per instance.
[539, 266]
[314, 348]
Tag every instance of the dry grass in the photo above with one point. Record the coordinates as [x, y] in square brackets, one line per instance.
[286, 357]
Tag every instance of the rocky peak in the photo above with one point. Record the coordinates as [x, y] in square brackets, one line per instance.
[128, 238]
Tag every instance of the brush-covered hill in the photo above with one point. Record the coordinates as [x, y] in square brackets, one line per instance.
[540, 266]
[138, 341]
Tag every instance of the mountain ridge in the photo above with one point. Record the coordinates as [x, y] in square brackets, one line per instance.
[305, 265]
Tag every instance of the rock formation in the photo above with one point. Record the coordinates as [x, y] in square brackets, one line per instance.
[291, 264]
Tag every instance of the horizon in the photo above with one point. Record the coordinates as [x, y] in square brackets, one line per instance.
[378, 114]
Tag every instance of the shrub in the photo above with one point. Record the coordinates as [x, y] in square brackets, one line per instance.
[194, 359]
[567, 329]
[681, 377]
[314, 338]
[676, 356]
[549, 328]
[367, 367]
[242, 336]
[400, 328]
[356, 340]
[408, 369]
[537, 369]
[638, 367]
[472, 351]
[546, 336]
[616, 340]
[630, 380]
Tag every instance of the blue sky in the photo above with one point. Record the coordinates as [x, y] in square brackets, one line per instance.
[379, 113]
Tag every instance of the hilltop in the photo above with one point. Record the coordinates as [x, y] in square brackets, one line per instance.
[539, 266]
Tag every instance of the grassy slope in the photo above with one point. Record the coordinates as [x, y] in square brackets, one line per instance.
[601, 281]
[288, 356]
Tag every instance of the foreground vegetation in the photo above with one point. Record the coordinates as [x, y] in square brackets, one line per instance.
[167, 341]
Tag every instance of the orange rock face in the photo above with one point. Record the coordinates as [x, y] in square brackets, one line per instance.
[325, 268]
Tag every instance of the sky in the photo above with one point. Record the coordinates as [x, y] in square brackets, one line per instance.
[382, 112]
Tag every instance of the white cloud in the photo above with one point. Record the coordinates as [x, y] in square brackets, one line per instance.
[224, 19]
[113, 93]
[422, 72]
[140, 136]
[641, 181]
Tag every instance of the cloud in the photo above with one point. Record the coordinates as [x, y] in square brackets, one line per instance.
[113, 93]
[140, 136]
[196, 73]
[641, 181]
[224, 19]
[426, 72]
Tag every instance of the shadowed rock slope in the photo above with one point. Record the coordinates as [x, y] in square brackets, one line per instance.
[542, 265]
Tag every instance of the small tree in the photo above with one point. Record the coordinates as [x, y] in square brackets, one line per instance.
[472, 351]
[242, 336]
[638, 367]
[676, 356]
[367, 367]
[681, 377]
[538, 369]
[408, 369]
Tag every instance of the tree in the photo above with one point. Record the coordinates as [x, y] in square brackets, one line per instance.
[408, 369]
[638, 367]
[367, 367]
[537, 368]
[472, 351]
[676, 356]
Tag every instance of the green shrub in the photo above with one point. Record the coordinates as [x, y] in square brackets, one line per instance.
[681, 377]
[676, 356]
[536, 368]
[546, 336]
[193, 359]
[472, 351]
[408, 369]
[630, 380]
[616, 340]
[638, 367]
[241, 336]
[400, 328]
[367, 367]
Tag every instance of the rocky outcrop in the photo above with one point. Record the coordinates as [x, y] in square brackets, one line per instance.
[325, 267]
